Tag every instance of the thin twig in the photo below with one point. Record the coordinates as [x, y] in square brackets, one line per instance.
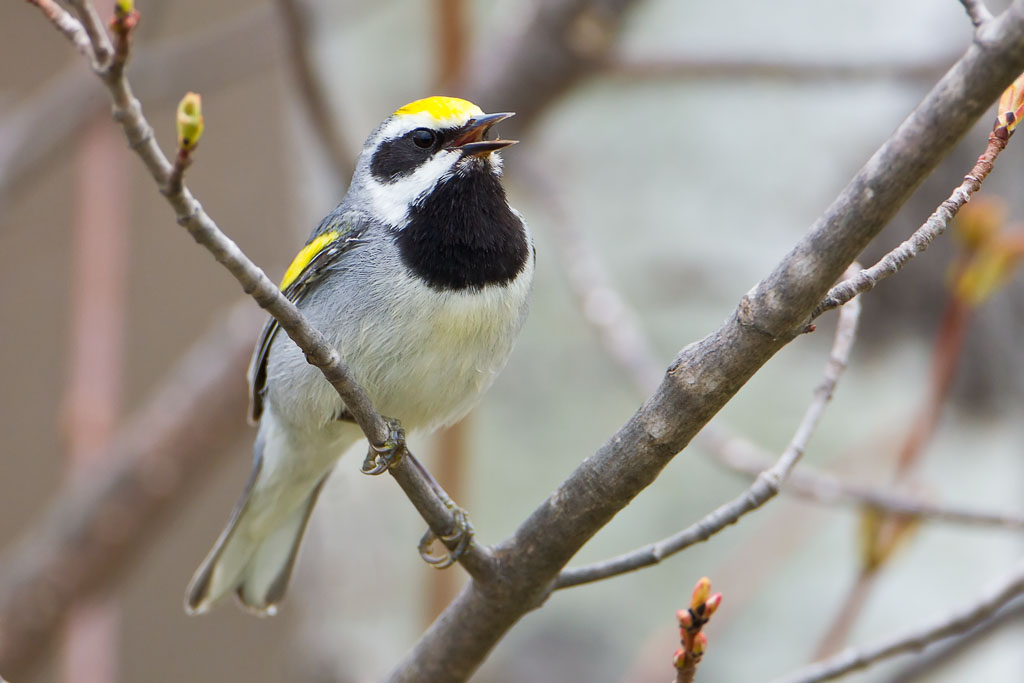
[764, 488]
[936, 224]
[742, 455]
[977, 11]
[69, 26]
[127, 111]
[928, 665]
[978, 611]
[96, 33]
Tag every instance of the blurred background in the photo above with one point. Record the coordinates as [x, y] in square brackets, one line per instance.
[672, 153]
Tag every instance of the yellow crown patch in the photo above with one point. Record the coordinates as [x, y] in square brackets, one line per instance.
[442, 108]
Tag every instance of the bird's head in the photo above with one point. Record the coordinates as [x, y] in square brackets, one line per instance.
[420, 146]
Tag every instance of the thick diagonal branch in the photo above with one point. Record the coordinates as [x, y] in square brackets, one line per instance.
[709, 372]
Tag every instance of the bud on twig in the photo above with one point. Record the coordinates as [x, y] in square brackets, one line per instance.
[1011, 107]
[190, 121]
[700, 644]
[693, 642]
[712, 604]
[701, 592]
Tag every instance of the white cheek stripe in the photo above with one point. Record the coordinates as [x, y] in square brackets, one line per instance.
[390, 201]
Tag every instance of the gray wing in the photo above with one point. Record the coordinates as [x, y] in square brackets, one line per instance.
[349, 230]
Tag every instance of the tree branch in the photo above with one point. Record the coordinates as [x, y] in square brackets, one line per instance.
[709, 372]
[977, 11]
[639, 69]
[70, 27]
[95, 31]
[760, 492]
[314, 99]
[437, 510]
[936, 224]
[741, 455]
[978, 611]
[96, 524]
[547, 52]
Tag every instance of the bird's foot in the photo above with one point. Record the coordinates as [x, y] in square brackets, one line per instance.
[379, 459]
[455, 542]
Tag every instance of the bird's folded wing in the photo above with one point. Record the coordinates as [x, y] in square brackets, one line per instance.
[336, 236]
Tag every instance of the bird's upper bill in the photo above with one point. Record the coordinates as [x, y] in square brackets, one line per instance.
[468, 121]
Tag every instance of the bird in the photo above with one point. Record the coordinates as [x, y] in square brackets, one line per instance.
[421, 278]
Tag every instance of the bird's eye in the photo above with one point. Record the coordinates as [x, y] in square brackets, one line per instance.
[424, 137]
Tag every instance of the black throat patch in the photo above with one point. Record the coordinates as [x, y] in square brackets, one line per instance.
[464, 234]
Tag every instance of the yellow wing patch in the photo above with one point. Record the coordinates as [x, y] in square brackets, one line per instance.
[442, 108]
[307, 254]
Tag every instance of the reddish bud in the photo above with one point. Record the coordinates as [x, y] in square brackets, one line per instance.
[1011, 105]
[712, 604]
[679, 658]
[685, 618]
[700, 644]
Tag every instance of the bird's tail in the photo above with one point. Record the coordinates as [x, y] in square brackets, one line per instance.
[254, 564]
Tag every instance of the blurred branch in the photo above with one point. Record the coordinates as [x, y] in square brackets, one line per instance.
[42, 125]
[94, 30]
[925, 666]
[97, 524]
[743, 456]
[977, 11]
[608, 313]
[635, 68]
[452, 42]
[549, 47]
[70, 27]
[298, 42]
[765, 488]
[977, 612]
[92, 399]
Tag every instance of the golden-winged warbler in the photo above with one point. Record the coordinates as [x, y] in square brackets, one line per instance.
[420, 277]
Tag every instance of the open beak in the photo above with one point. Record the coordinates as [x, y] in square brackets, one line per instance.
[470, 139]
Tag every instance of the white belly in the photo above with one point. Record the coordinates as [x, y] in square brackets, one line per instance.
[424, 356]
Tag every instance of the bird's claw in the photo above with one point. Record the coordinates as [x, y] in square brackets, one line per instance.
[379, 459]
[460, 535]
